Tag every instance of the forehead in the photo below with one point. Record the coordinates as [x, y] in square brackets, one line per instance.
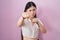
[32, 7]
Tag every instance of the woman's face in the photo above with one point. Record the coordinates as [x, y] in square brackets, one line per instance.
[31, 11]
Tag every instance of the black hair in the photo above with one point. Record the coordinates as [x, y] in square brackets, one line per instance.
[21, 35]
[28, 5]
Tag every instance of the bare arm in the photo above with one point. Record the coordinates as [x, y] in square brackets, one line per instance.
[20, 22]
[41, 26]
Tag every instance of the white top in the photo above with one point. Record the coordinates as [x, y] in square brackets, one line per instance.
[30, 30]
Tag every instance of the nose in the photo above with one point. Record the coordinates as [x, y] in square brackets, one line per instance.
[32, 12]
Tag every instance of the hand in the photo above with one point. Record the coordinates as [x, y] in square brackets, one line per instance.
[35, 20]
[25, 15]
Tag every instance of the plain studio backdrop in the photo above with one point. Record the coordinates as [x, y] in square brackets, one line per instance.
[47, 10]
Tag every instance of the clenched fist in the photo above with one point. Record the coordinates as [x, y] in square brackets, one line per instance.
[35, 20]
[25, 15]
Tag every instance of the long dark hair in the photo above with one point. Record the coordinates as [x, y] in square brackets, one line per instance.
[28, 5]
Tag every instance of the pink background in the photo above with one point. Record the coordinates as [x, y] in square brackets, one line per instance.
[47, 10]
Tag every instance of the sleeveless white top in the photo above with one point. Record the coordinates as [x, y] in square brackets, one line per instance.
[30, 30]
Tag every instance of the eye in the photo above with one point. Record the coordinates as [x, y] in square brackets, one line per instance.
[30, 10]
[33, 9]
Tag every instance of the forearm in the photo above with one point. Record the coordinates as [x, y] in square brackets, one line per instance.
[41, 27]
[20, 22]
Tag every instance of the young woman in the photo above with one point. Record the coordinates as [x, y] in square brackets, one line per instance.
[29, 23]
